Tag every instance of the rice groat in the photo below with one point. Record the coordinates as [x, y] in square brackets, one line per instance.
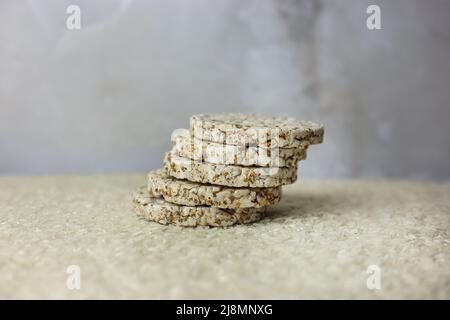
[190, 147]
[227, 175]
[189, 193]
[158, 210]
[240, 129]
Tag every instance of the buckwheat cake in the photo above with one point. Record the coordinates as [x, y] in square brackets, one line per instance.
[239, 129]
[189, 193]
[158, 210]
[187, 146]
[227, 175]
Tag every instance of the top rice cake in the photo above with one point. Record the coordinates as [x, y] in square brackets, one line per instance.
[241, 129]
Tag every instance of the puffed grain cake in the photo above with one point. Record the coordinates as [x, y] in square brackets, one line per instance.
[184, 192]
[241, 129]
[227, 175]
[187, 146]
[158, 210]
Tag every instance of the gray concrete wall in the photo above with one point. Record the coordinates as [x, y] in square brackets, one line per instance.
[106, 98]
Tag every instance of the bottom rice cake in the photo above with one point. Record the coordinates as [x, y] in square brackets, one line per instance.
[158, 210]
[228, 175]
[189, 193]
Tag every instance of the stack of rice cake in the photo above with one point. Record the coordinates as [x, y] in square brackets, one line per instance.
[226, 169]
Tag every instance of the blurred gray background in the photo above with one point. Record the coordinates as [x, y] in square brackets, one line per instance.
[107, 97]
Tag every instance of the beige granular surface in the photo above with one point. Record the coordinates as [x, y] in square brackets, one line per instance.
[156, 209]
[239, 129]
[197, 194]
[184, 145]
[227, 175]
[316, 243]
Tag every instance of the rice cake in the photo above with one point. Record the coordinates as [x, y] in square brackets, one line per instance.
[190, 147]
[227, 175]
[189, 193]
[241, 129]
[158, 210]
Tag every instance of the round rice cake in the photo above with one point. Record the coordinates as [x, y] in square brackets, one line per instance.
[189, 193]
[241, 129]
[158, 210]
[227, 175]
[190, 147]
